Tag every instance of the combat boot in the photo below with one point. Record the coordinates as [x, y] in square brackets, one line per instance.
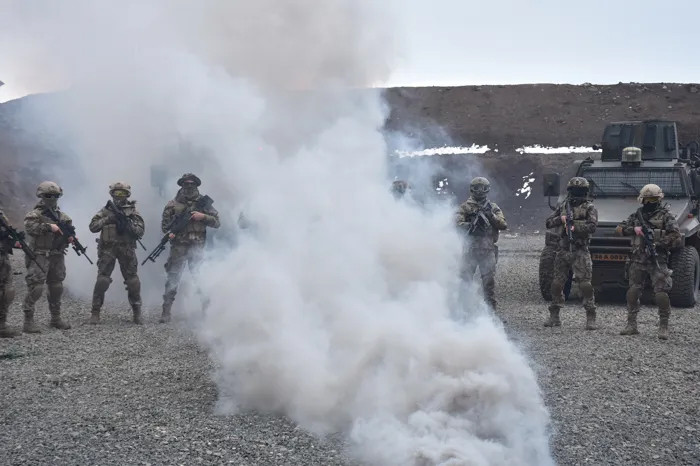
[57, 322]
[553, 320]
[29, 325]
[137, 315]
[663, 328]
[631, 328]
[165, 316]
[5, 331]
[94, 317]
[590, 320]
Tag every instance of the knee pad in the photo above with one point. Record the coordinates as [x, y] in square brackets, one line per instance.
[34, 293]
[102, 283]
[55, 289]
[133, 284]
[662, 300]
[586, 289]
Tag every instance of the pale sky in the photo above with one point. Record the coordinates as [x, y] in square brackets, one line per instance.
[459, 42]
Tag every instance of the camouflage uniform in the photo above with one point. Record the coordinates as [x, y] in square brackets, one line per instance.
[481, 250]
[7, 288]
[49, 248]
[117, 242]
[667, 237]
[187, 247]
[574, 254]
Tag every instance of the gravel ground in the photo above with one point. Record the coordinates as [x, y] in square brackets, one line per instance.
[122, 394]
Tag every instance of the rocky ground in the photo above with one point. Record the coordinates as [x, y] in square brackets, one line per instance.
[122, 394]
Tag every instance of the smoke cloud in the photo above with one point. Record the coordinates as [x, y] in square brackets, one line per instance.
[340, 306]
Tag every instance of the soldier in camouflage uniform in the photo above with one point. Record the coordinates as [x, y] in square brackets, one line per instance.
[120, 225]
[7, 288]
[49, 244]
[667, 237]
[481, 221]
[186, 246]
[399, 188]
[574, 254]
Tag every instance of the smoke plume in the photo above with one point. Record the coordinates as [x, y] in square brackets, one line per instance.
[338, 306]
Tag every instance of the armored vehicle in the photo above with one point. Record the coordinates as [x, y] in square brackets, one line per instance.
[615, 181]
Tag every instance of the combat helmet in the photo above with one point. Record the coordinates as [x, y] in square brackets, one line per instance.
[48, 188]
[191, 177]
[650, 193]
[399, 187]
[578, 187]
[115, 188]
[479, 188]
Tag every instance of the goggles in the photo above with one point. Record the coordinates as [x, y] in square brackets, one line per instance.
[120, 193]
[50, 196]
[650, 200]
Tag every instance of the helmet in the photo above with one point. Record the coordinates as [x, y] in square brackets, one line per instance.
[650, 193]
[399, 187]
[578, 182]
[48, 188]
[191, 177]
[480, 186]
[120, 189]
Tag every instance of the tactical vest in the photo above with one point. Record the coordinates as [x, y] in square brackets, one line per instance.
[49, 241]
[194, 232]
[655, 222]
[110, 235]
[580, 213]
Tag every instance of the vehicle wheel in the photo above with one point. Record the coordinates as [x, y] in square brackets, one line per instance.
[546, 272]
[685, 264]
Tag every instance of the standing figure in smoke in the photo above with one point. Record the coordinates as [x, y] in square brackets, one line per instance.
[655, 234]
[7, 288]
[186, 246]
[120, 225]
[576, 219]
[49, 243]
[481, 220]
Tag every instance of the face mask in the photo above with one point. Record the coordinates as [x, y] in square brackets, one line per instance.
[119, 201]
[650, 206]
[190, 192]
[50, 202]
[479, 196]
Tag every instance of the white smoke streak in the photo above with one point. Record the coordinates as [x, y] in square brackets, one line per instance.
[338, 309]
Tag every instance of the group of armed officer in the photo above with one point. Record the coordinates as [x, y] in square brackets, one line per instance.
[49, 232]
[576, 220]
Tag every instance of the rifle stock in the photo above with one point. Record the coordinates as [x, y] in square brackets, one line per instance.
[18, 237]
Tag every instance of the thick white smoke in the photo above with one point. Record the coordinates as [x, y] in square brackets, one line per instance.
[339, 307]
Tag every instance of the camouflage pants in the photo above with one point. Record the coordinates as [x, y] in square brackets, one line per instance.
[7, 288]
[578, 260]
[55, 266]
[661, 282]
[107, 256]
[180, 254]
[485, 260]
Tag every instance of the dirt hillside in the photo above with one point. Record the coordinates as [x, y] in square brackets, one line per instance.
[502, 117]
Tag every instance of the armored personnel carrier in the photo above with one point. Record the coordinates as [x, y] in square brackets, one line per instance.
[615, 183]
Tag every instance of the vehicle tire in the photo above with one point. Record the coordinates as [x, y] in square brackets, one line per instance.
[685, 264]
[546, 273]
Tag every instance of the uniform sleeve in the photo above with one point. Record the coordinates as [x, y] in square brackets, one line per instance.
[34, 225]
[626, 228]
[137, 224]
[554, 220]
[498, 220]
[585, 228]
[97, 222]
[461, 215]
[212, 218]
[672, 239]
[168, 214]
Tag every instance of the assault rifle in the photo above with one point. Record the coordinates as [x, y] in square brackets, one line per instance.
[68, 231]
[480, 217]
[122, 222]
[648, 237]
[18, 237]
[177, 225]
[569, 225]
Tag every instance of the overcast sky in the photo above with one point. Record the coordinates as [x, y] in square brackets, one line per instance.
[453, 42]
